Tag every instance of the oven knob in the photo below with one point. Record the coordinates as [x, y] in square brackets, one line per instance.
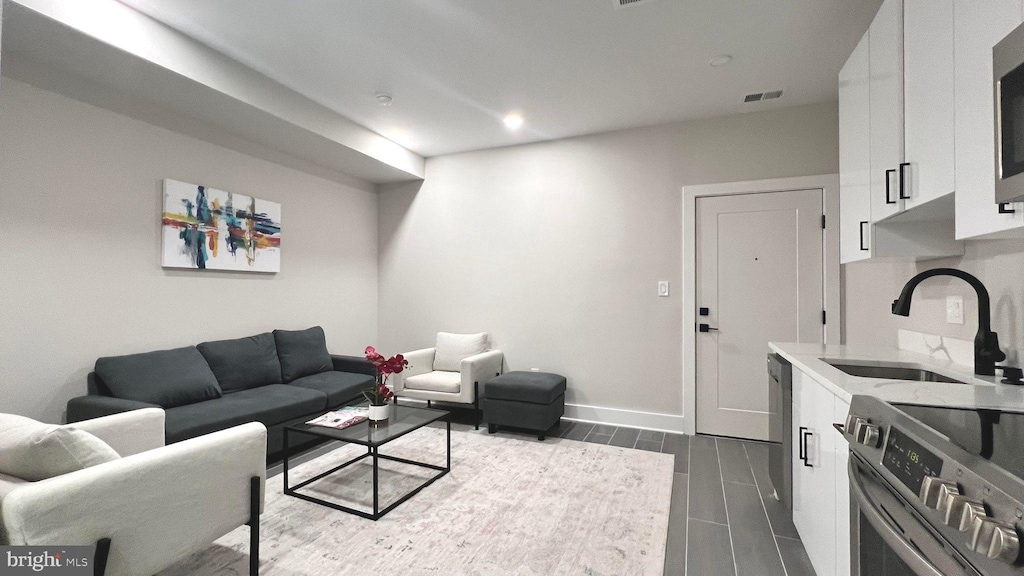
[931, 489]
[994, 539]
[869, 435]
[972, 510]
[851, 423]
[946, 494]
[952, 509]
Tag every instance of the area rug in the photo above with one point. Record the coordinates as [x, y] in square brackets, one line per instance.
[509, 506]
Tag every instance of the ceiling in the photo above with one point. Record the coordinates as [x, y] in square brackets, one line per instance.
[455, 68]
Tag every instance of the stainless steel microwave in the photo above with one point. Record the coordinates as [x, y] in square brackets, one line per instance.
[1008, 75]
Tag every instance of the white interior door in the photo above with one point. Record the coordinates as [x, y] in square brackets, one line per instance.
[759, 275]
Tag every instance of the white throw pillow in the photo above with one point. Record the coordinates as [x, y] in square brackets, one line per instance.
[33, 451]
[452, 349]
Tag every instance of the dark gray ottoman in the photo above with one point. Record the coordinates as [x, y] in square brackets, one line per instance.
[529, 400]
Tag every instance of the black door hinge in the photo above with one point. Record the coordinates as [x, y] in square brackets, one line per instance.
[824, 317]
[823, 222]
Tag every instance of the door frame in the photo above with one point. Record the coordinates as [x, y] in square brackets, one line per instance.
[829, 186]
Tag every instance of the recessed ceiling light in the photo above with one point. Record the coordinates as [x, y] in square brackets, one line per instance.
[720, 60]
[384, 99]
[513, 121]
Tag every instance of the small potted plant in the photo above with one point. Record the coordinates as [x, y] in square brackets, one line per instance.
[380, 395]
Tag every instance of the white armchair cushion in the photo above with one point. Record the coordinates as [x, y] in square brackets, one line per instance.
[452, 349]
[33, 451]
[438, 381]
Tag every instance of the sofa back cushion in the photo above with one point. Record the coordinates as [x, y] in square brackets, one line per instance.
[32, 451]
[302, 352]
[451, 349]
[167, 378]
[243, 363]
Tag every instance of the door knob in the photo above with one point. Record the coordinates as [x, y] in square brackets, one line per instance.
[706, 328]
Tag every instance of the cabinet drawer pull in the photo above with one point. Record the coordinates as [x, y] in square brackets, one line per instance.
[1004, 208]
[862, 246]
[888, 186]
[807, 455]
[903, 181]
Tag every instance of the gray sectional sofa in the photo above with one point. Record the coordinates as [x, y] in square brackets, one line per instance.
[277, 378]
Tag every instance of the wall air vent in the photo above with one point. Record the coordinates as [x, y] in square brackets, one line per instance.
[630, 3]
[763, 96]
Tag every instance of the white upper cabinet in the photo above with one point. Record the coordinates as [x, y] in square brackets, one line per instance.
[928, 170]
[886, 109]
[855, 156]
[978, 26]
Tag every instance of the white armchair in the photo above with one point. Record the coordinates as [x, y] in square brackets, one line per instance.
[153, 506]
[452, 371]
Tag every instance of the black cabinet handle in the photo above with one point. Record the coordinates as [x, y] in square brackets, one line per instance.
[706, 328]
[903, 181]
[804, 435]
[705, 311]
[1004, 208]
[862, 246]
[888, 186]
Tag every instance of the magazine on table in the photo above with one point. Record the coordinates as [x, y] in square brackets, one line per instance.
[343, 418]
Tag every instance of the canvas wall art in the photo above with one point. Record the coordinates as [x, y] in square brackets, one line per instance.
[211, 229]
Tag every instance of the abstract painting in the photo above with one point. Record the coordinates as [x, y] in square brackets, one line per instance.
[211, 229]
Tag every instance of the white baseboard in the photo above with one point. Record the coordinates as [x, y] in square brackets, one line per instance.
[626, 418]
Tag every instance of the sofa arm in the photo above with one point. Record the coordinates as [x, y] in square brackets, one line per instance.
[354, 364]
[157, 507]
[480, 368]
[420, 362]
[93, 406]
[128, 432]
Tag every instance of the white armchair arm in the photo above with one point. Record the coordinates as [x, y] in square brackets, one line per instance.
[479, 369]
[420, 362]
[128, 433]
[156, 507]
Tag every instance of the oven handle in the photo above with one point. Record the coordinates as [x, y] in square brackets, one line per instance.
[905, 550]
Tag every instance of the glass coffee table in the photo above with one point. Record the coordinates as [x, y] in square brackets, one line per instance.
[403, 420]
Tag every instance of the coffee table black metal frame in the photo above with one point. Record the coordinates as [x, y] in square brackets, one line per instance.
[353, 435]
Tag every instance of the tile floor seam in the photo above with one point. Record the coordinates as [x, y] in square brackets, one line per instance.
[725, 501]
[706, 521]
[767, 518]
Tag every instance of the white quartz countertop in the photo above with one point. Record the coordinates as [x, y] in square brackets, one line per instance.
[978, 392]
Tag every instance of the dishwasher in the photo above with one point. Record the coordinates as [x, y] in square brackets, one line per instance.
[780, 428]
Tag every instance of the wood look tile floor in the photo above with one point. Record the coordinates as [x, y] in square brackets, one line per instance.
[724, 519]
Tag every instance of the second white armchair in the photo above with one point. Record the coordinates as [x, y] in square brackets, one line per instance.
[452, 371]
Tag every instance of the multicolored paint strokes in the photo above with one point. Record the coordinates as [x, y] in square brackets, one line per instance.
[212, 229]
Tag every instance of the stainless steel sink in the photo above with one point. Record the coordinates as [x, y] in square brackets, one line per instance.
[892, 372]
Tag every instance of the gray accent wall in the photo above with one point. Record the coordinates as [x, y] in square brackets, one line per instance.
[80, 275]
[556, 248]
[871, 287]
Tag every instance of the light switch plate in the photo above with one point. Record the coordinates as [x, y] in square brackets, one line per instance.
[954, 309]
[663, 288]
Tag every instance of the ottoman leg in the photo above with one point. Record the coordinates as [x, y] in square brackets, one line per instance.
[492, 428]
[540, 436]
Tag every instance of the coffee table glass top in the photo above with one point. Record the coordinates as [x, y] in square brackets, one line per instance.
[403, 419]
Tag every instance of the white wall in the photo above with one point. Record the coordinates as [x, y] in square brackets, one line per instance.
[556, 248]
[80, 275]
[999, 264]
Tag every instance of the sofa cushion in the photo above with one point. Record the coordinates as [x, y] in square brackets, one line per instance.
[32, 451]
[532, 387]
[437, 381]
[244, 362]
[271, 405]
[340, 387]
[302, 352]
[451, 349]
[167, 378]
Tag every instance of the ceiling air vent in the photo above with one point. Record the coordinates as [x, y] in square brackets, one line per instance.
[762, 96]
[630, 3]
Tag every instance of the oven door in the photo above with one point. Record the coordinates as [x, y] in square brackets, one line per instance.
[888, 537]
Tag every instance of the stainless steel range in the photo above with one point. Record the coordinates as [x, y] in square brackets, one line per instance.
[935, 491]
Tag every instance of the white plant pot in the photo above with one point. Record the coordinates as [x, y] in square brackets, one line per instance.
[378, 413]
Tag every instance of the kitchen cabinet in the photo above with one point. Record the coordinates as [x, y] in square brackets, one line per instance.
[814, 482]
[821, 497]
[979, 25]
[885, 50]
[896, 136]
[855, 156]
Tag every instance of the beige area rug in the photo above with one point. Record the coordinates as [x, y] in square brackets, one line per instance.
[509, 506]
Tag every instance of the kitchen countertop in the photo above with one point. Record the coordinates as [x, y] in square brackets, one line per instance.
[979, 392]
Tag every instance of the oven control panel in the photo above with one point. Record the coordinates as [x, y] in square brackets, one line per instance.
[910, 462]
